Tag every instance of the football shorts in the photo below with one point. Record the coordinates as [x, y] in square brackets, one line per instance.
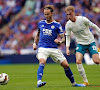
[83, 48]
[56, 54]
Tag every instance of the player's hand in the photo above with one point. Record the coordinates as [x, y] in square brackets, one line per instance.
[57, 41]
[34, 46]
[67, 51]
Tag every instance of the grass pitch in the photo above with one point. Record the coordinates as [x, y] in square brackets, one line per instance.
[24, 77]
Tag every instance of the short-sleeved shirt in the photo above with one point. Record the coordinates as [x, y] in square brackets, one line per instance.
[48, 33]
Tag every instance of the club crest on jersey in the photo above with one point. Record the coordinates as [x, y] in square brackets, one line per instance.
[52, 26]
[42, 25]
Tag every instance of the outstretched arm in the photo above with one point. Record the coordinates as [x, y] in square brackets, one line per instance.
[96, 27]
[36, 40]
[91, 24]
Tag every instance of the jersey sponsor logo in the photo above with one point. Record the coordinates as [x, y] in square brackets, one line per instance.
[47, 32]
[79, 32]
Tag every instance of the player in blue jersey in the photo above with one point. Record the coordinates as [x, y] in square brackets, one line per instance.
[47, 36]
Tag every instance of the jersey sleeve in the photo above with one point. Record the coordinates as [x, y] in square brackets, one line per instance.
[91, 24]
[68, 31]
[39, 26]
[60, 30]
[87, 21]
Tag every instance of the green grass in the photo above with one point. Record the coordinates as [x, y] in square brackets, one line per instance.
[24, 77]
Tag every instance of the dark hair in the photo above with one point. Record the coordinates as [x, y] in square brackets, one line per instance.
[51, 7]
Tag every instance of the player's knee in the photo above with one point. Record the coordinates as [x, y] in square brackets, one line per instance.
[97, 62]
[96, 58]
[65, 66]
[42, 61]
[78, 62]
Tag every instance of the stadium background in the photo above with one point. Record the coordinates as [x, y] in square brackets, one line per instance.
[19, 20]
[18, 26]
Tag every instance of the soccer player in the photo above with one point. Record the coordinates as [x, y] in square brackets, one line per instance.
[79, 25]
[47, 36]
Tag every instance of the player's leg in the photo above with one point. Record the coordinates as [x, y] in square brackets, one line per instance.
[95, 58]
[40, 69]
[42, 63]
[94, 53]
[42, 57]
[68, 71]
[99, 54]
[79, 58]
[58, 57]
[69, 74]
[80, 51]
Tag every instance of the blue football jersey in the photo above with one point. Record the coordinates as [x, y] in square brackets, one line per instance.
[48, 33]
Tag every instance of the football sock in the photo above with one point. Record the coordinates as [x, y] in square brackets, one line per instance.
[69, 74]
[82, 72]
[40, 71]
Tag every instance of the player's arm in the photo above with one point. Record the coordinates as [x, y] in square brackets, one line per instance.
[91, 24]
[68, 33]
[36, 40]
[60, 41]
[62, 38]
[67, 44]
[95, 27]
[61, 34]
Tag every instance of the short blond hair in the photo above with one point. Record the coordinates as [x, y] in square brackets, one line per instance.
[69, 8]
[51, 7]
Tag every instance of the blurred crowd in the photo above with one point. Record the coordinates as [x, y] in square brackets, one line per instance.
[19, 20]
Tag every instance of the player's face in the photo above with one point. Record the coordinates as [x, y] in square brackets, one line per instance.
[70, 15]
[48, 14]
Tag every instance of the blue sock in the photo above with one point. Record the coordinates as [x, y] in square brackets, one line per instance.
[40, 71]
[69, 74]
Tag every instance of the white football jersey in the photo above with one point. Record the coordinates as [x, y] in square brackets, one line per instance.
[81, 30]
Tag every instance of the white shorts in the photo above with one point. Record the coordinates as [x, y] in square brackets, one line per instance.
[56, 54]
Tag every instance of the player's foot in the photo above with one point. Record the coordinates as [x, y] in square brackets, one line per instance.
[41, 84]
[79, 85]
[86, 83]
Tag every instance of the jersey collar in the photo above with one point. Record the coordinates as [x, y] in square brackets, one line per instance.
[50, 22]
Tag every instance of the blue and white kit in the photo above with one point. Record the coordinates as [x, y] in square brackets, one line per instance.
[47, 46]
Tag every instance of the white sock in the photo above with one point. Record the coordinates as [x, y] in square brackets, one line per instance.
[82, 72]
[38, 81]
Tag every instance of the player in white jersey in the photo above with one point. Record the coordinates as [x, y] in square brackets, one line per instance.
[47, 36]
[79, 25]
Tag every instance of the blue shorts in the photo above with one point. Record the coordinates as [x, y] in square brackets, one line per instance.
[83, 48]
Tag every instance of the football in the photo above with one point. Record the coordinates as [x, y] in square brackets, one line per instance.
[4, 78]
